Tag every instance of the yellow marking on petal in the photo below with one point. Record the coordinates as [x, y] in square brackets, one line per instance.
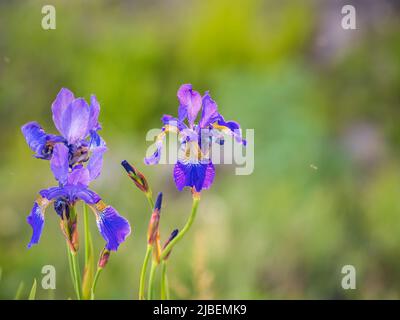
[43, 202]
[100, 206]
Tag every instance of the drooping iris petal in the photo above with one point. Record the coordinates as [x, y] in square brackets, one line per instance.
[189, 103]
[59, 162]
[173, 122]
[63, 100]
[94, 114]
[209, 113]
[53, 192]
[75, 121]
[38, 140]
[87, 195]
[35, 136]
[155, 157]
[79, 176]
[197, 175]
[113, 227]
[232, 128]
[209, 176]
[36, 220]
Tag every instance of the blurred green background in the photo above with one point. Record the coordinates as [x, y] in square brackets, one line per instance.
[324, 103]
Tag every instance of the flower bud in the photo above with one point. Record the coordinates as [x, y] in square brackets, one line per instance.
[68, 224]
[171, 237]
[152, 232]
[104, 256]
[137, 177]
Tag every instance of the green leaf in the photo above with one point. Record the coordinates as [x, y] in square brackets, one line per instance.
[32, 294]
[19, 291]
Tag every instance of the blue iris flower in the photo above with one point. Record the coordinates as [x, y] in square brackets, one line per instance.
[79, 144]
[194, 167]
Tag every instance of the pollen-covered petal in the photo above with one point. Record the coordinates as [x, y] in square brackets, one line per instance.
[209, 113]
[75, 121]
[60, 104]
[36, 220]
[189, 103]
[113, 227]
[59, 163]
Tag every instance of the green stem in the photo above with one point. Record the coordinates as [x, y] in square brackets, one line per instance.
[71, 268]
[77, 274]
[164, 281]
[96, 277]
[143, 272]
[87, 234]
[150, 294]
[185, 229]
[150, 200]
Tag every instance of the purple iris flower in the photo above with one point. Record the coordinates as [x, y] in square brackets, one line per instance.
[194, 168]
[77, 123]
[73, 187]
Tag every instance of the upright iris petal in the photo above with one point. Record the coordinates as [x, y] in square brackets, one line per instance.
[94, 114]
[63, 100]
[209, 112]
[75, 121]
[59, 163]
[189, 103]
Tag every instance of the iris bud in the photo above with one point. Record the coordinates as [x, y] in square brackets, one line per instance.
[137, 177]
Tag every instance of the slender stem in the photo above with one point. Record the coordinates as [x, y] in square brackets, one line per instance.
[77, 275]
[150, 200]
[71, 268]
[87, 234]
[185, 229]
[150, 294]
[143, 272]
[96, 277]
[147, 255]
[164, 281]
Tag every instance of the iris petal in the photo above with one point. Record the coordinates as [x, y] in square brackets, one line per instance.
[79, 177]
[155, 157]
[94, 114]
[113, 227]
[75, 121]
[59, 163]
[36, 220]
[96, 162]
[189, 103]
[198, 175]
[209, 113]
[38, 140]
[60, 104]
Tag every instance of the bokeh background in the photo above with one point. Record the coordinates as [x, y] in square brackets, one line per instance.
[324, 104]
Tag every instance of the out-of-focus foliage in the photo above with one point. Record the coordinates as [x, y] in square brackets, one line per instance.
[324, 104]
